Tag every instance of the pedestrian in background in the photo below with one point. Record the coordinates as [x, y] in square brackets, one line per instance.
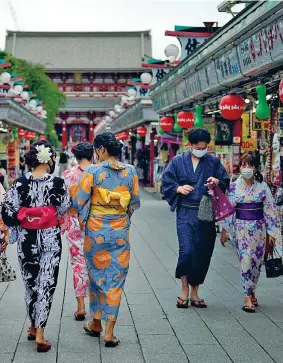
[106, 196]
[256, 215]
[184, 185]
[63, 161]
[84, 154]
[32, 208]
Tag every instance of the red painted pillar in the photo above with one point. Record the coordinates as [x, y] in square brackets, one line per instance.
[64, 134]
[91, 134]
[151, 161]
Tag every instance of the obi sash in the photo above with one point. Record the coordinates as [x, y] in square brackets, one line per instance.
[250, 211]
[107, 202]
[38, 217]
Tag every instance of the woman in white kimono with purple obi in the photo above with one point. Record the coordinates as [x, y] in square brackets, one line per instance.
[255, 217]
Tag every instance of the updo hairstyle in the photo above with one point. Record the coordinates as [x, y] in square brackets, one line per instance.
[109, 142]
[31, 156]
[83, 150]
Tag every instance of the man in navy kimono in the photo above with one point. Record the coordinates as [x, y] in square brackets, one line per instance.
[184, 184]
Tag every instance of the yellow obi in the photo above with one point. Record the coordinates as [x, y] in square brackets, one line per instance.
[104, 201]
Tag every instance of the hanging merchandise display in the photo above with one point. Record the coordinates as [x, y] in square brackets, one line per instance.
[167, 123]
[16, 136]
[263, 109]
[41, 138]
[185, 119]
[21, 133]
[232, 107]
[199, 121]
[177, 128]
[124, 136]
[161, 132]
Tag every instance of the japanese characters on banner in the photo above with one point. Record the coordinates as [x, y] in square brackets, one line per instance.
[249, 136]
[12, 165]
[189, 45]
[159, 73]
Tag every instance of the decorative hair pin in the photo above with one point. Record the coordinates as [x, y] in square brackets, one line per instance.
[43, 154]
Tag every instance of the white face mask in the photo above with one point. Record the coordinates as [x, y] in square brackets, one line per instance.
[247, 173]
[199, 153]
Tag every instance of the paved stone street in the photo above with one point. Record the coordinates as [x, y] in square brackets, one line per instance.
[151, 329]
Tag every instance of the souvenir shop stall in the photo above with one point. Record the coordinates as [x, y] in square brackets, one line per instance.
[230, 83]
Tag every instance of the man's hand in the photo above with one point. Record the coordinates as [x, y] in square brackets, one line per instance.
[213, 180]
[5, 241]
[185, 189]
[224, 237]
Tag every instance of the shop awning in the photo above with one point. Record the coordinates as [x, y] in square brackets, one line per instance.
[248, 46]
[139, 114]
[16, 115]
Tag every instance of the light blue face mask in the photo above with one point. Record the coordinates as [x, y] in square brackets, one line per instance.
[199, 153]
[247, 173]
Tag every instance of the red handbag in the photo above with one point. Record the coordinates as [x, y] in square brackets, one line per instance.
[38, 217]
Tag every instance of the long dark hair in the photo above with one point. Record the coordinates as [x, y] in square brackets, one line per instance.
[250, 160]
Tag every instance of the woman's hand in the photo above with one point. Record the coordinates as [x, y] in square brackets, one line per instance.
[5, 241]
[223, 237]
[185, 189]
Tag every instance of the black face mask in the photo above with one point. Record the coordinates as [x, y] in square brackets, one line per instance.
[51, 167]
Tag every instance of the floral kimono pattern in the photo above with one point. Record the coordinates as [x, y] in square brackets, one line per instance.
[105, 198]
[75, 238]
[250, 235]
[39, 251]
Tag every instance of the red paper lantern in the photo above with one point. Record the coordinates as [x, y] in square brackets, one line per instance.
[124, 136]
[185, 119]
[21, 133]
[142, 131]
[281, 90]
[29, 136]
[41, 138]
[232, 107]
[167, 123]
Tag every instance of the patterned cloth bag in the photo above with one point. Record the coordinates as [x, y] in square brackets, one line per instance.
[205, 212]
[7, 273]
[221, 206]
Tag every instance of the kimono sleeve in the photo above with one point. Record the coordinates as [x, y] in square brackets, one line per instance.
[222, 176]
[11, 206]
[63, 199]
[81, 195]
[135, 194]
[170, 183]
[271, 215]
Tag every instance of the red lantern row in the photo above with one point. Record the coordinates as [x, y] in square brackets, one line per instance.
[166, 123]
[232, 107]
[123, 136]
[185, 119]
[30, 136]
[41, 138]
[142, 131]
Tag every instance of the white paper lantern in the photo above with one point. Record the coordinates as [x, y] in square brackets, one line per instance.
[132, 92]
[117, 108]
[131, 99]
[112, 114]
[146, 78]
[44, 112]
[18, 89]
[124, 99]
[172, 50]
[32, 104]
[5, 77]
[25, 96]
[107, 118]
[39, 108]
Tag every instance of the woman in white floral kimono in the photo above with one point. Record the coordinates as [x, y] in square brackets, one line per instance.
[32, 208]
[255, 216]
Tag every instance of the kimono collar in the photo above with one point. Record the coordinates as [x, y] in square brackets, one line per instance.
[114, 166]
[44, 177]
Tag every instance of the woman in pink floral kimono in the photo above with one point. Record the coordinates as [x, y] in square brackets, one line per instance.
[84, 154]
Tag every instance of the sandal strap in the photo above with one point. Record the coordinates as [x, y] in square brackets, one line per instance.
[184, 300]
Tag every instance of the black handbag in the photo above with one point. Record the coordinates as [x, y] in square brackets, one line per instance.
[273, 264]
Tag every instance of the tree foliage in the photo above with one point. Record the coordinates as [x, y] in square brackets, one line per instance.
[34, 75]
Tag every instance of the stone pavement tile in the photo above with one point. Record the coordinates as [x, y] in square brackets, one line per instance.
[276, 354]
[153, 327]
[206, 354]
[83, 357]
[166, 358]
[160, 344]
[124, 353]
[84, 344]
[141, 299]
[6, 357]
[230, 327]
[9, 337]
[195, 333]
[26, 353]
[127, 334]
[146, 311]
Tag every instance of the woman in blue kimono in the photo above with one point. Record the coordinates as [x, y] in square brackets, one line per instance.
[184, 184]
[105, 197]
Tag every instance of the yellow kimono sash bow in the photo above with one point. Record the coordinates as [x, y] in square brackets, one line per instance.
[123, 197]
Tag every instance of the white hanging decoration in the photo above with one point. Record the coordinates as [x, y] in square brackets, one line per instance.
[107, 118]
[5, 77]
[44, 112]
[39, 108]
[18, 89]
[172, 50]
[146, 78]
[132, 92]
[25, 95]
[112, 114]
[117, 108]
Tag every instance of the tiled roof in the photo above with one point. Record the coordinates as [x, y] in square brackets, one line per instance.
[82, 50]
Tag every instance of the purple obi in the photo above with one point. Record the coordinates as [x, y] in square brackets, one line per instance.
[250, 211]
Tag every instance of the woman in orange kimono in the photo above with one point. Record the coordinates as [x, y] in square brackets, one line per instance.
[105, 197]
